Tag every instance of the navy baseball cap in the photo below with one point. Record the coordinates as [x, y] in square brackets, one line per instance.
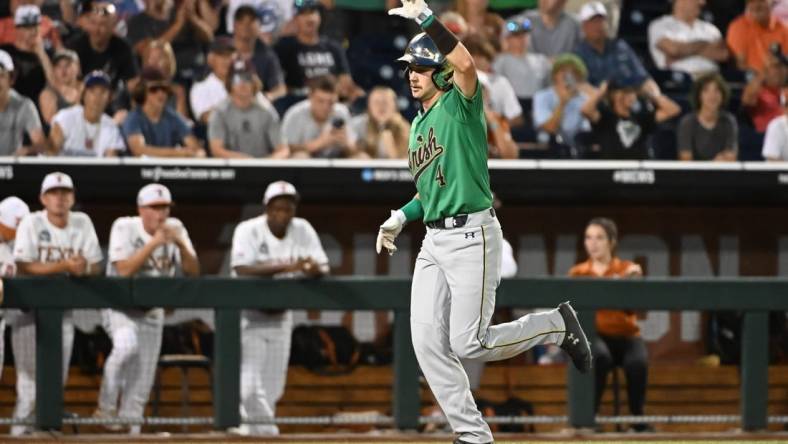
[306, 5]
[97, 78]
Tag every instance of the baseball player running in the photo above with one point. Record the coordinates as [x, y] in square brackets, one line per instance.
[12, 210]
[150, 244]
[458, 268]
[53, 241]
[279, 245]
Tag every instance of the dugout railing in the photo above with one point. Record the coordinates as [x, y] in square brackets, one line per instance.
[50, 296]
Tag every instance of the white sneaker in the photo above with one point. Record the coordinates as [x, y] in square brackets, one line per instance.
[103, 414]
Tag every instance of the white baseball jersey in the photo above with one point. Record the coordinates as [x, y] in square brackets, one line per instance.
[253, 243]
[7, 264]
[128, 235]
[37, 240]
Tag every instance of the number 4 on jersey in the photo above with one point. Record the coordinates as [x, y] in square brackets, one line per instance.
[439, 176]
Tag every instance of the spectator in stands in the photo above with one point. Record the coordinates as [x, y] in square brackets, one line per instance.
[613, 8]
[47, 29]
[275, 16]
[502, 99]
[307, 55]
[249, 47]
[556, 109]
[281, 246]
[527, 72]
[159, 55]
[480, 21]
[622, 123]
[711, 132]
[178, 23]
[455, 23]
[33, 68]
[618, 342]
[85, 130]
[64, 88]
[319, 126]
[775, 143]
[752, 35]
[154, 129]
[605, 57]
[99, 49]
[18, 116]
[382, 131]
[240, 127]
[207, 93]
[761, 96]
[553, 31]
[682, 41]
[500, 143]
[52, 242]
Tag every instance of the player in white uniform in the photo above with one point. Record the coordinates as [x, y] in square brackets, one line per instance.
[151, 244]
[53, 241]
[12, 210]
[279, 245]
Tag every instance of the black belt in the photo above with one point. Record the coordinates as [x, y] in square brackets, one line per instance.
[448, 223]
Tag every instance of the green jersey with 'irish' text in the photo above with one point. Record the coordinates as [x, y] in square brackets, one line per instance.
[447, 155]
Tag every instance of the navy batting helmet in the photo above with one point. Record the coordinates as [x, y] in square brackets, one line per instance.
[423, 53]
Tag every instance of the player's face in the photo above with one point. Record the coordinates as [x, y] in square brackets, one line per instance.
[58, 201]
[153, 216]
[421, 86]
[280, 211]
[597, 244]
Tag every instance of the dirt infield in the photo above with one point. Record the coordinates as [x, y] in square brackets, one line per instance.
[569, 437]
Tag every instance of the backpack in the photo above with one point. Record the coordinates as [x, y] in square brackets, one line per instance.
[325, 350]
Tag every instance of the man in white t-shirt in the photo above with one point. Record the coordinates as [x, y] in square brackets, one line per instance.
[282, 246]
[150, 244]
[85, 130]
[53, 241]
[683, 42]
[12, 210]
[775, 142]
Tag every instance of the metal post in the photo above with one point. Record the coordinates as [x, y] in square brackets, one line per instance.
[227, 368]
[406, 402]
[755, 370]
[49, 368]
[581, 387]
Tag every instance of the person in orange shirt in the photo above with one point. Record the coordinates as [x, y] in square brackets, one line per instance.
[618, 342]
[752, 35]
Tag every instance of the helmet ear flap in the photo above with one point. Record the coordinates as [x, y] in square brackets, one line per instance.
[442, 77]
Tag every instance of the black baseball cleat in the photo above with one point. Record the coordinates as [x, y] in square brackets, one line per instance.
[575, 343]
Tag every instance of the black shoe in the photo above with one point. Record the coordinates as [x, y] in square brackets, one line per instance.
[575, 343]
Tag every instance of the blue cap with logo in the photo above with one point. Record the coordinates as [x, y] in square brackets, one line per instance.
[97, 78]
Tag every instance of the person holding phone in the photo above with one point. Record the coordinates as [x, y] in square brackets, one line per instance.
[317, 127]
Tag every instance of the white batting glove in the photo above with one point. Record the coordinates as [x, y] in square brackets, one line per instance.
[389, 231]
[413, 9]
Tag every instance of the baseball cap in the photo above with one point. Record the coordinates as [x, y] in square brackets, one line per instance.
[6, 62]
[12, 210]
[27, 15]
[222, 45]
[517, 26]
[97, 77]
[306, 5]
[56, 180]
[277, 189]
[591, 10]
[154, 194]
[65, 54]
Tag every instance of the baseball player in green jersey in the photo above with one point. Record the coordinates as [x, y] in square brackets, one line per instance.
[458, 268]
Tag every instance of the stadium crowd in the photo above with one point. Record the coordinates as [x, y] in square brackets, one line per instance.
[318, 78]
